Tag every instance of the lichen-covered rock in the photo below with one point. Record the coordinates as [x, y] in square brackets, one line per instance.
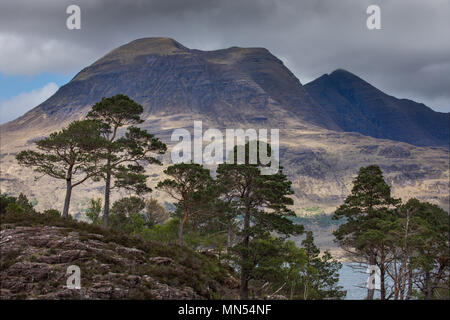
[34, 262]
[160, 260]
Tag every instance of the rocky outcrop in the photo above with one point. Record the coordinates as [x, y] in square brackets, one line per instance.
[34, 262]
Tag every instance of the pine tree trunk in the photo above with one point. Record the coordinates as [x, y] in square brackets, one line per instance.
[410, 285]
[428, 292]
[181, 226]
[404, 267]
[382, 284]
[107, 196]
[370, 292]
[180, 233]
[243, 292]
[229, 237]
[382, 276]
[244, 257]
[65, 212]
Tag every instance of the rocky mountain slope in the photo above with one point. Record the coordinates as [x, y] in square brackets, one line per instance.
[357, 106]
[230, 88]
[237, 85]
[35, 252]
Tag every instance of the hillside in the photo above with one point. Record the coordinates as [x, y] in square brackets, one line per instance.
[35, 251]
[357, 106]
[229, 88]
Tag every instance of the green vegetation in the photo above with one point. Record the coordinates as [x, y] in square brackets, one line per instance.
[192, 269]
[13, 204]
[92, 149]
[155, 213]
[125, 156]
[263, 201]
[241, 220]
[320, 273]
[408, 242]
[94, 209]
[188, 184]
[71, 155]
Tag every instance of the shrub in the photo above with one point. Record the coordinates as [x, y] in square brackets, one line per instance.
[14, 208]
[155, 212]
[166, 232]
[23, 201]
[128, 206]
[94, 209]
[52, 213]
[5, 200]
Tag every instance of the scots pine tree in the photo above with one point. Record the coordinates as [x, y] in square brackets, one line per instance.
[262, 201]
[321, 274]
[364, 212]
[189, 184]
[125, 156]
[72, 154]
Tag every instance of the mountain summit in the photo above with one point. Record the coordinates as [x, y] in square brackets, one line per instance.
[357, 106]
[234, 85]
[237, 86]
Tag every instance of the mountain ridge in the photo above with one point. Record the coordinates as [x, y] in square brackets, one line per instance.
[234, 84]
[357, 106]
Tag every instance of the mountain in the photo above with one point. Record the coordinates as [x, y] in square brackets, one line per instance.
[357, 106]
[243, 85]
[230, 88]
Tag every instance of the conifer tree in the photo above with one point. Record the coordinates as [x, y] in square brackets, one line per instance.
[189, 184]
[365, 210]
[321, 273]
[262, 201]
[125, 156]
[72, 154]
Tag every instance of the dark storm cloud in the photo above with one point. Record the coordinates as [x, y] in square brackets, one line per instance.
[408, 58]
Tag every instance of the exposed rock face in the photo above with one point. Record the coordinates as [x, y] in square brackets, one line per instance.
[34, 262]
[395, 152]
[357, 106]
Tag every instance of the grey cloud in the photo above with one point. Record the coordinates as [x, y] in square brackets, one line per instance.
[409, 57]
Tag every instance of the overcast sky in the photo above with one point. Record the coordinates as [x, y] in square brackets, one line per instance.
[408, 58]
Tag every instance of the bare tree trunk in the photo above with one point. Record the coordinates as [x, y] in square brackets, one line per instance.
[65, 212]
[107, 195]
[410, 285]
[382, 284]
[181, 227]
[229, 237]
[397, 280]
[370, 292]
[305, 289]
[382, 274]
[243, 292]
[244, 256]
[291, 296]
[403, 269]
[428, 292]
